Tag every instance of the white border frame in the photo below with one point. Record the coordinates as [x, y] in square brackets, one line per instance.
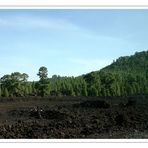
[76, 6]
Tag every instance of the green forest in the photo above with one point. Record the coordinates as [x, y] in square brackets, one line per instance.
[126, 76]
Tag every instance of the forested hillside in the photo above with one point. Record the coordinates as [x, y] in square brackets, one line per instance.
[131, 64]
[124, 77]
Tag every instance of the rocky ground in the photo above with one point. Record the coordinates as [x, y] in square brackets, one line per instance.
[74, 117]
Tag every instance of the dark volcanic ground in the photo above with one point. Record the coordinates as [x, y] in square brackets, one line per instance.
[74, 117]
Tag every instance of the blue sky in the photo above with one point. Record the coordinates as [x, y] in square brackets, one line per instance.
[68, 42]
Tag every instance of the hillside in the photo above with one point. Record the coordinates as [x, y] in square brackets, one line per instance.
[137, 63]
[124, 77]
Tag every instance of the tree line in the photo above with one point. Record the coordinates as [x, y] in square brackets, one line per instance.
[100, 83]
[125, 77]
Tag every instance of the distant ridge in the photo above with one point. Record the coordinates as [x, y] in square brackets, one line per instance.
[137, 63]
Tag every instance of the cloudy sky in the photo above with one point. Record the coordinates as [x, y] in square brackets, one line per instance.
[68, 42]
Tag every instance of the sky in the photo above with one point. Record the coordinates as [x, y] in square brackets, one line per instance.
[69, 42]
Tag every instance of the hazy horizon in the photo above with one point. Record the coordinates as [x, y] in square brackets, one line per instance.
[68, 42]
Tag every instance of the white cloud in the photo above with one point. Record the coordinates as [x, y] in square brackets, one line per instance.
[26, 22]
[31, 22]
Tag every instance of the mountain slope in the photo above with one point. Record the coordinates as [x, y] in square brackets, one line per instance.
[137, 63]
[124, 77]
